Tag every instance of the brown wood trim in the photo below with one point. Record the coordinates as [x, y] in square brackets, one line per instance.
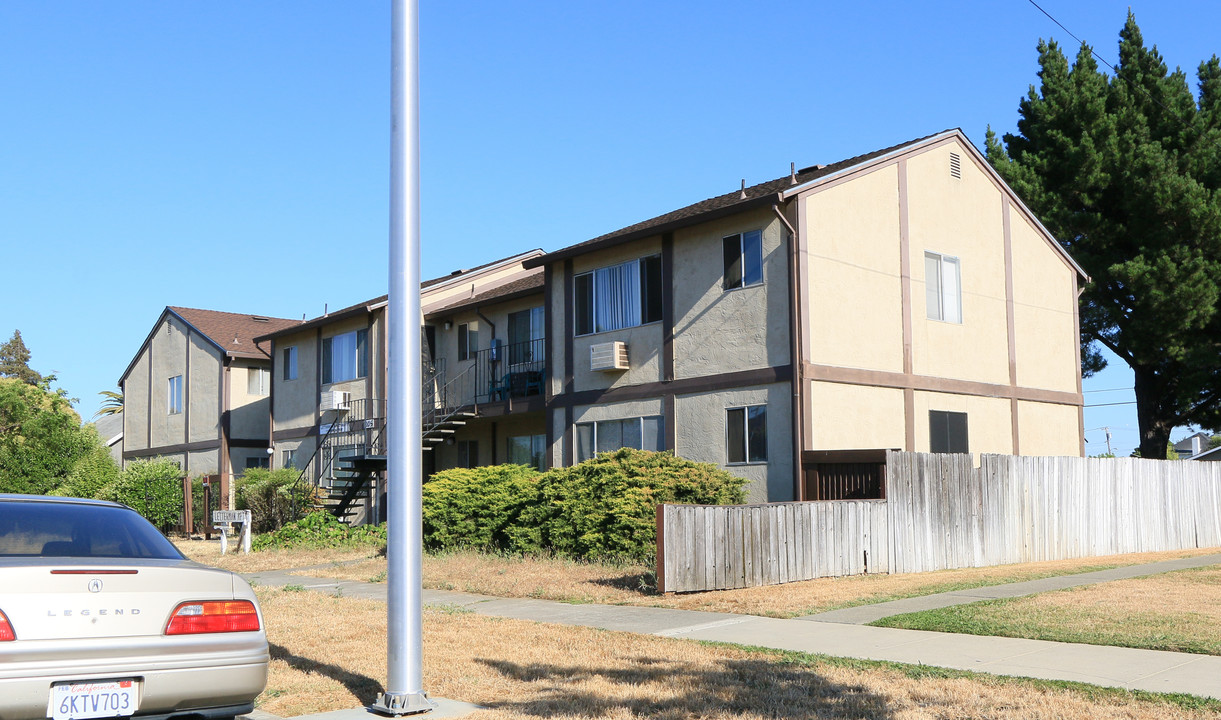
[296, 433]
[148, 417]
[1010, 322]
[905, 286]
[805, 347]
[668, 415]
[248, 443]
[226, 467]
[173, 449]
[667, 307]
[569, 327]
[708, 383]
[549, 324]
[317, 396]
[881, 378]
[1077, 329]
[795, 322]
[568, 451]
[186, 391]
[909, 419]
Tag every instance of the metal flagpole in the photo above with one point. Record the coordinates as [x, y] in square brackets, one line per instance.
[404, 626]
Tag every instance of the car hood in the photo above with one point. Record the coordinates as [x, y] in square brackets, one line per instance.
[98, 598]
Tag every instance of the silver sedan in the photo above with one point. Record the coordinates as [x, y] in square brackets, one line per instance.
[101, 616]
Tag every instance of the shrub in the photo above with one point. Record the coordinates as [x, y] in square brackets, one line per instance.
[605, 507]
[321, 530]
[476, 507]
[152, 488]
[91, 474]
[271, 496]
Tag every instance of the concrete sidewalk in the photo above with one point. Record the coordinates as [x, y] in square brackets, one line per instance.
[1151, 670]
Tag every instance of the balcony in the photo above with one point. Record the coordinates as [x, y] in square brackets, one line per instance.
[501, 373]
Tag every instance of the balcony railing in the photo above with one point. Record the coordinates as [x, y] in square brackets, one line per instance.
[507, 371]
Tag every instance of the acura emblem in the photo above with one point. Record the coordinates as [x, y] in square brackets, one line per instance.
[95, 585]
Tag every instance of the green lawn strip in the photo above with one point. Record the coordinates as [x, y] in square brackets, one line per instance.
[1086, 691]
[1010, 617]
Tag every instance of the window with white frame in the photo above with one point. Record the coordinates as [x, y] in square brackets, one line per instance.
[345, 357]
[743, 259]
[258, 381]
[641, 433]
[620, 296]
[468, 341]
[289, 362]
[942, 287]
[528, 450]
[175, 395]
[746, 434]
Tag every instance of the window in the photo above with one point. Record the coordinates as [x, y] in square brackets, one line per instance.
[947, 432]
[468, 341]
[746, 436]
[942, 287]
[642, 433]
[525, 336]
[289, 370]
[528, 450]
[468, 453]
[345, 357]
[743, 259]
[618, 297]
[258, 381]
[175, 395]
[286, 459]
[258, 462]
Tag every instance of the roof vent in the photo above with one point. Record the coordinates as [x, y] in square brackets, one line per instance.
[955, 166]
[256, 318]
[812, 168]
[792, 173]
[743, 188]
[236, 341]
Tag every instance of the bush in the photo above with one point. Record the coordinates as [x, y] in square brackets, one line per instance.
[91, 474]
[605, 508]
[152, 488]
[476, 507]
[321, 530]
[271, 496]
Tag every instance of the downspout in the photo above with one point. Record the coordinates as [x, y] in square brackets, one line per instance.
[795, 359]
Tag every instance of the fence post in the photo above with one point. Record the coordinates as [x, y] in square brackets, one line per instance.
[188, 513]
[207, 498]
[661, 549]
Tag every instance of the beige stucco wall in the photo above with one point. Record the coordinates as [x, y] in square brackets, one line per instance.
[1043, 310]
[700, 421]
[853, 417]
[359, 386]
[961, 218]
[1047, 429]
[719, 331]
[198, 462]
[854, 295]
[135, 405]
[989, 423]
[248, 416]
[296, 401]
[204, 389]
[168, 347]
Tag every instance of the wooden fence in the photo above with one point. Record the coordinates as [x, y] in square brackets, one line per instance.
[941, 512]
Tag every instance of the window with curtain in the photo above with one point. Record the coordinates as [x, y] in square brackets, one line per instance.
[619, 296]
[942, 287]
[345, 357]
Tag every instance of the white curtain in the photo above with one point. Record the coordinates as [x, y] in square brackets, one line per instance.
[617, 297]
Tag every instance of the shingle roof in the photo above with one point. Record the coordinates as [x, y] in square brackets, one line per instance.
[465, 271]
[523, 286]
[233, 332]
[732, 202]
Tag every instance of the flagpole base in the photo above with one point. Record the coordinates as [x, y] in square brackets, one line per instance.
[399, 704]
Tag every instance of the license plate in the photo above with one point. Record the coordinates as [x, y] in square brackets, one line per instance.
[96, 699]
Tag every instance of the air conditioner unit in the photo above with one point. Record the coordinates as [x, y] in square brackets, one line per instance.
[608, 356]
[335, 400]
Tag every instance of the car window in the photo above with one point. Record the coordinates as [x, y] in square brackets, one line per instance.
[54, 529]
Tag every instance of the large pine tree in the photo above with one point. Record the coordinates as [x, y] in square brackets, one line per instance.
[1126, 171]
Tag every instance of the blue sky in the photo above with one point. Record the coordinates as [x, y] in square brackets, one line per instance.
[233, 155]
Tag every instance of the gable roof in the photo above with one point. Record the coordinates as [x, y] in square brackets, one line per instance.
[776, 192]
[523, 287]
[232, 333]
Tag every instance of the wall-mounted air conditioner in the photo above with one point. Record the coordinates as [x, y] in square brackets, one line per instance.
[335, 400]
[608, 356]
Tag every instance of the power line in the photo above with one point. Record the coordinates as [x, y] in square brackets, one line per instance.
[1110, 404]
[1110, 390]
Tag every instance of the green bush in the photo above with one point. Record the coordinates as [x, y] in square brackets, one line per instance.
[321, 530]
[476, 507]
[605, 508]
[152, 488]
[91, 473]
[271, 496]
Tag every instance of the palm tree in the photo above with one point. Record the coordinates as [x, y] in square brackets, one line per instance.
[112, 405]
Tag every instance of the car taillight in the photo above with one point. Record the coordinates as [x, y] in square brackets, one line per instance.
[213, 616]
[6, 630]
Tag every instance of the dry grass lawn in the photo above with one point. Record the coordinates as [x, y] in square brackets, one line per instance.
[1179, 611]
[208, 553]
[567, 581]
[521, 669]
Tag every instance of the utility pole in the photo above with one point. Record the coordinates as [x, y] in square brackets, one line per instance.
[1107, 430]
[404, 610]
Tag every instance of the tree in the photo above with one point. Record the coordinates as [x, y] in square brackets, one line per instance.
[41, 438]
[15, 359]
[1126, 172]
[111, 405]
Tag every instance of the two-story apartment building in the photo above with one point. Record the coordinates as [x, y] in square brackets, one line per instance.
[198, 392]
[900, 299]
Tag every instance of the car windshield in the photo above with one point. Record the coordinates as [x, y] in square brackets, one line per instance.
[78, 530]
